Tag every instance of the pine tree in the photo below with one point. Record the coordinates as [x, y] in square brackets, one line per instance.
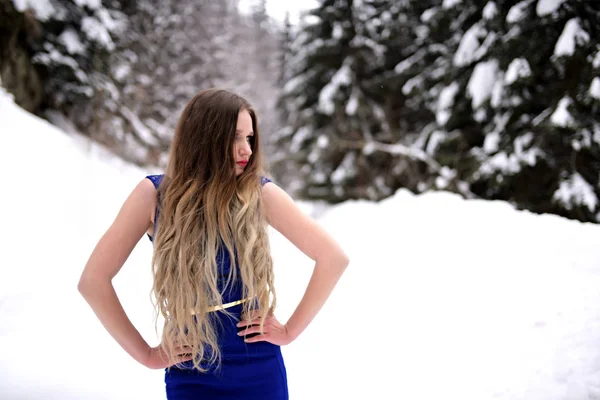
[406, 85]
[446, 43]
[529, 102]
[74, 45]
[488, 99]
[330, 118]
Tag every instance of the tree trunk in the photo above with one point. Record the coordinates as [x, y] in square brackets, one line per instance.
[17, 73]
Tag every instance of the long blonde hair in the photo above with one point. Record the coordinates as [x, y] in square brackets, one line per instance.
[203, 206]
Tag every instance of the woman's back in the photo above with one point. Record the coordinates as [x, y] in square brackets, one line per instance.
[257, 369]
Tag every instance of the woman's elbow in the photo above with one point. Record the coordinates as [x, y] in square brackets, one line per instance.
[340, 258]
[83, 285]
[87, 283]
[344, 260]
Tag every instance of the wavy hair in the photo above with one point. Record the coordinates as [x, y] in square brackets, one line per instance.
[204, 207]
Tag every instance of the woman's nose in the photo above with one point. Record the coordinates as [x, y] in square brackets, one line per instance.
[246, 149]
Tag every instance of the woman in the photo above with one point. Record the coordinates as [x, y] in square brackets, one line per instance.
[213, 273]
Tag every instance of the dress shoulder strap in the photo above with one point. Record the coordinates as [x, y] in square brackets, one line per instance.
[156, 179]
[264, 180]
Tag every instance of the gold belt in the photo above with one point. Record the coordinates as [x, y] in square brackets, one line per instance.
[222, 306]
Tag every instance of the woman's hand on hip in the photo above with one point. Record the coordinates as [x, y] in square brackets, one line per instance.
[273, 331]
[157, 357]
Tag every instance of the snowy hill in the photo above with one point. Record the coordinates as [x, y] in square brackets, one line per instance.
[444, 298]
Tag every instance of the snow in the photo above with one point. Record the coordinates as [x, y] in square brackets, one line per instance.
[523, 141]
[322, 141]
[450, 3]
[463, 308]
[571, 35]
[584, 139]
[70, 39]
[480, 115]
[277, 9]
[482, 82]
[596, 135]
[428, 14]
[491, 142]
[338, 31]
[53, 56]
[518, 68]
[509, 163]
[411, 84]
[561, 116]
[293, 84]
[352, 104]
[469, 43]
[345, 170]
[490, 39]
[300, 136]
[138, 126]
[596, 60]
[445, 102]
[386, 16]
[490, 10]
[319, 177]
[42, 9]
[377, 50]
[313, 156]
[576, 191]
[113, 21]
[442, 181]
[492, 139]
[435, 139]
[595, 88]
[407, 63]
[517, 12]
[91, 4]
[326, 98]
[545, 7]
[497, 92]
[97, 32]
[372, 146]
[121, 71]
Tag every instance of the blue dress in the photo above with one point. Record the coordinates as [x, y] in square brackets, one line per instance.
[248, 371]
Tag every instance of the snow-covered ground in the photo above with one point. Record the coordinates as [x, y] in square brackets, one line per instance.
[444, 298]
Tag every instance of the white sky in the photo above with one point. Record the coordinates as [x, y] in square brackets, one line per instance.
[277, 8]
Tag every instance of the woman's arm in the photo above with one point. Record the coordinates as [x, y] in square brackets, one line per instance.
[330, 260]
[109, 255]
